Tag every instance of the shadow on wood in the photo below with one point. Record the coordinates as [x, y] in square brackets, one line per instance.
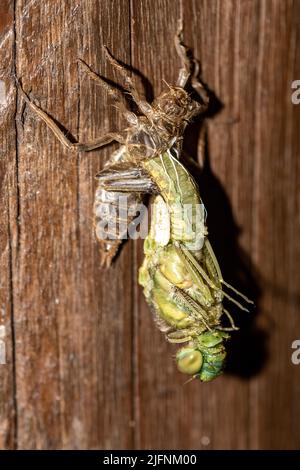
[247, 351]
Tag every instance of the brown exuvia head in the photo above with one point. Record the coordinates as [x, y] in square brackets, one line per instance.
[176, 105]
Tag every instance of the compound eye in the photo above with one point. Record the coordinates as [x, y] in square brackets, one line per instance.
[189, 361]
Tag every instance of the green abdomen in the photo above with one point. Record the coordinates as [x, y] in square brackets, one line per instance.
[178, 189]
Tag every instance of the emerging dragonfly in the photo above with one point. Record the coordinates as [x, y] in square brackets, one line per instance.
[180, 275]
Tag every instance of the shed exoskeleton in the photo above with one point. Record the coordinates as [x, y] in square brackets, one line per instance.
[158, 127]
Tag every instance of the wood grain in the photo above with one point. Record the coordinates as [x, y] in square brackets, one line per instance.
[86, 367]
[8, 227]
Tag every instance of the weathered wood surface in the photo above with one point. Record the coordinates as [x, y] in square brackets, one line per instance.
[86, 367]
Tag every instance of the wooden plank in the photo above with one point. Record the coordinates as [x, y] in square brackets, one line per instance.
[8, 227]
[72, 321]
[86, 367]
[45, 274]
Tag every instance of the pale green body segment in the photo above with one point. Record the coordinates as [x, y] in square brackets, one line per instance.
[181, 195]
[187, 308]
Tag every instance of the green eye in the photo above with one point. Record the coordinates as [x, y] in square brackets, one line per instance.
[189, 361]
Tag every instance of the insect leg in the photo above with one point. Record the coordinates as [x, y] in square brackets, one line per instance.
[100, 142]
[191, 262]
[187, 65]
[198, 86]
[201, 271]
[179, 336]
[202, 145]
[218, 270]
[181, 49]
[140, 100]
[214, 259]
[230, 319]
[237, 292]
[200, 162]
[224, 328]
[110, 89]
[184, 335]
[204, 289]
[196, 311]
